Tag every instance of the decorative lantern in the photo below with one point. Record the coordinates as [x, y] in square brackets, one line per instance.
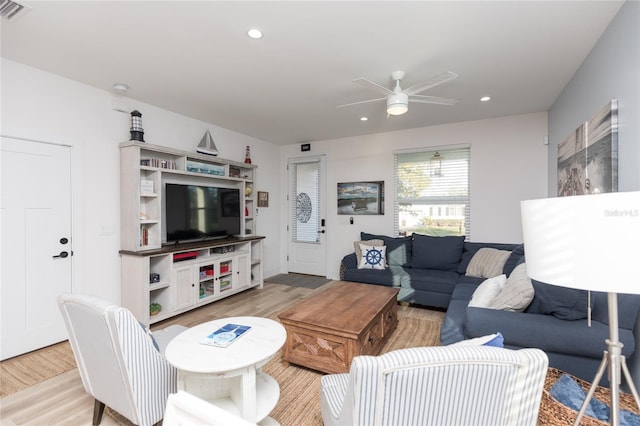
[436, 164]
[247, 156]
[137, 132]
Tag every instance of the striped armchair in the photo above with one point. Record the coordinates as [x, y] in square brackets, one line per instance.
[117, 359]
[448, 385]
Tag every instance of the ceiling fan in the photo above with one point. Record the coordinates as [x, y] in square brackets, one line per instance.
[398, 99]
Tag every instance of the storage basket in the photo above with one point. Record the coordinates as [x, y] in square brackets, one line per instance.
[554, 413]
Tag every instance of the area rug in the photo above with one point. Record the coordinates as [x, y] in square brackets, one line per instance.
[298, 280]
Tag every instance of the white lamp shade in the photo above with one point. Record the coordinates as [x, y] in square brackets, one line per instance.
[589, 242]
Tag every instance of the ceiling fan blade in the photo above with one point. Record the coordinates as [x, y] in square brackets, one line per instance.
[432, 100]
[374, 86]
[361, 102]
[420, 87]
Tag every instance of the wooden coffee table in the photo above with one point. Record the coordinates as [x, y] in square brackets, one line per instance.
[325, 331]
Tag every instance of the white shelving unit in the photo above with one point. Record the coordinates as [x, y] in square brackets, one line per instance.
[213, 269]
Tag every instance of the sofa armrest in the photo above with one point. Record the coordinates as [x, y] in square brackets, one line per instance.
[348, 262]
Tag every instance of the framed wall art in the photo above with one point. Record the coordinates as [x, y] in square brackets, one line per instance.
[588, 157]
[263, 199]
[363, 198]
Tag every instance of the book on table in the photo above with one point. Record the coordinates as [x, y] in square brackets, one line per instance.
[225, 335]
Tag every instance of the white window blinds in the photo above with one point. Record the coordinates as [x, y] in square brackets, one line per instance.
[432, 192]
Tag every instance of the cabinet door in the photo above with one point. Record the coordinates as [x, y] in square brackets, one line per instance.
[184, 288]
[206, 280]
[225, 275]
[242, 271]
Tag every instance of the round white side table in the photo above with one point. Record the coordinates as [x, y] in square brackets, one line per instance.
[230, 377]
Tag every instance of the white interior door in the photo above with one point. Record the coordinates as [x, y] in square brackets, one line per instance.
[35, 220]
[307, 211]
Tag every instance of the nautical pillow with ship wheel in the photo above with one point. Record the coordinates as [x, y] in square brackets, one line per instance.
[373, 257]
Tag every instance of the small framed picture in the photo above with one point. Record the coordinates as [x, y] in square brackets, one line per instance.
[263, 199]
[146, 187]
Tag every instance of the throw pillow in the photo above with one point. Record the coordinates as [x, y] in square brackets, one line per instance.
[517, 292]
[487, 262]
[495, 339]
[517, 255]
[561, 302]
[356, 246]
[487, 291]
[373, 257]
[399, 249]
[441, 253]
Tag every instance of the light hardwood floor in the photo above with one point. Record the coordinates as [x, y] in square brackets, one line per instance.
[62, 399]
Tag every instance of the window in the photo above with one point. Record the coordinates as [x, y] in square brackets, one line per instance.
[432, 192]
[305, 190]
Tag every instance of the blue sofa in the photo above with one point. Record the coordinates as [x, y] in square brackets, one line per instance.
[431, 271]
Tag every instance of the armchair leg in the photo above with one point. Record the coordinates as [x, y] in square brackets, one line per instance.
[98, 410]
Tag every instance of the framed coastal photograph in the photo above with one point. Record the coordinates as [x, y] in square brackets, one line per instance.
[363, 198]
[263, 199]
[588, 157]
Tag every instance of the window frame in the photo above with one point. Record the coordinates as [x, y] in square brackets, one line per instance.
[436, 203]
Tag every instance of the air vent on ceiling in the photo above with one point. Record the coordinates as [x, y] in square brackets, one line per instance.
[11, 9]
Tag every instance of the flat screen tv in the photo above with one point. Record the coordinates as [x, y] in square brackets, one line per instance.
[198, 212]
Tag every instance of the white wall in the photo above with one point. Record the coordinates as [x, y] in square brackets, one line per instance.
[610, 71]
[508, 164]
[42, 106]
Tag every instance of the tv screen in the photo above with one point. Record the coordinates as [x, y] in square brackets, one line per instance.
[195, 212]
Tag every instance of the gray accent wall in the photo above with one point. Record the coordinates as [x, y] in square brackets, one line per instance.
[610, 71]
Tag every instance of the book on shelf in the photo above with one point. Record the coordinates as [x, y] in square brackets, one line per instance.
[158, 163]
[225, 335]
[144, 236]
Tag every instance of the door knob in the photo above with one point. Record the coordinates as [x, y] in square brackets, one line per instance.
[62, 254]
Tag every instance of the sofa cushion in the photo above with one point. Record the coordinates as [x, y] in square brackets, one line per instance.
[628, 308]
[561, 302]
[517, 292]
[432, 280]
[356, 245]
[392, 276]
[487, 262]
[440, 253]
[523, 330]
[373, 257]
[398, 249]
[487, 291]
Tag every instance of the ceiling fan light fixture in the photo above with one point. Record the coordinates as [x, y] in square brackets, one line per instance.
[397, 104]
[254, 33]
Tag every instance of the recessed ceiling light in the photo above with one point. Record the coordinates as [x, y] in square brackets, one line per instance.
[363, 118]
[485, 99]
[254, 33]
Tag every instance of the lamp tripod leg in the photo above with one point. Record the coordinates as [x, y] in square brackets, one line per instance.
[592, 389]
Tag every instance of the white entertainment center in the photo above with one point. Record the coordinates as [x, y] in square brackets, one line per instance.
[182, 275]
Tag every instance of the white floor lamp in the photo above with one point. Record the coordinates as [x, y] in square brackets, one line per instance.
[588, 242]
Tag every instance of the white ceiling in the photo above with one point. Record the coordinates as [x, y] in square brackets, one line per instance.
[194, 58]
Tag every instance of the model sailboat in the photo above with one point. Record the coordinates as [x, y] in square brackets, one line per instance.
[206, 145]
